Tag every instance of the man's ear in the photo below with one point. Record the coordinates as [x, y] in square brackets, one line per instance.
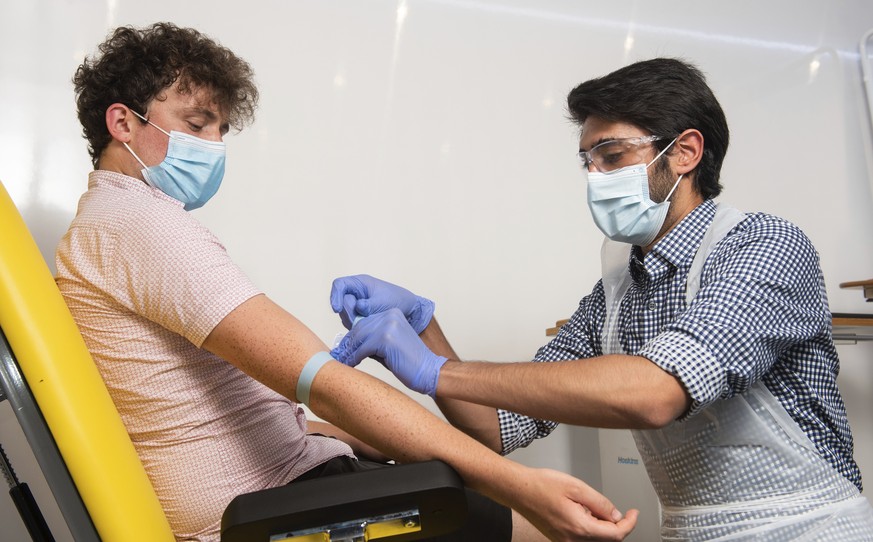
[118, 122]
[689, 147]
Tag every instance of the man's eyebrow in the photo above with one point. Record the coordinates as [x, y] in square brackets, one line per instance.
[195, 110]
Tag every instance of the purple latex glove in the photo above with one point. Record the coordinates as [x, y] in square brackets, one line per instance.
[365, 295]
[388, 338]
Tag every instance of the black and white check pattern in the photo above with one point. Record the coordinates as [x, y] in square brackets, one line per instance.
[761, 314]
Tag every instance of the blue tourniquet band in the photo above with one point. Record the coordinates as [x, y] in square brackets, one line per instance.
[307, 375]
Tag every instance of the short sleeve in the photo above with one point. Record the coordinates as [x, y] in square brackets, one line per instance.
[176, 273]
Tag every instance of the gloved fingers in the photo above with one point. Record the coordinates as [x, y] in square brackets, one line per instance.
[367, 338]
[343, 286]
[349, 311]
[346, 352]
[423, 314]
[337, 293]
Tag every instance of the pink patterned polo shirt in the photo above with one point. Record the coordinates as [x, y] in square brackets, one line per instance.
[146, 284]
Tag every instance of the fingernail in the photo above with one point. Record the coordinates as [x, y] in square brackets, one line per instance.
[616, 515]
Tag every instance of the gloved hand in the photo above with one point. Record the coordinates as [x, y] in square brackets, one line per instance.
[388, 338]
[365, 295]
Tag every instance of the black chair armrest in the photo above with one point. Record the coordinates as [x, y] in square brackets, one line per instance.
[431, 488]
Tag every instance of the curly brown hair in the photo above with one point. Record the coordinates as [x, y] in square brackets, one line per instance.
[134, 66]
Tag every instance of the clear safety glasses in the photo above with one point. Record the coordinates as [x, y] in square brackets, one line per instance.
[616, 153]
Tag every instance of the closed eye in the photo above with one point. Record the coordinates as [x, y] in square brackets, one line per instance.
[612, 157]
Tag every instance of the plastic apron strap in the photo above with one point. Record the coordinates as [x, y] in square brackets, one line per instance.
[726, 218]
[614, 261]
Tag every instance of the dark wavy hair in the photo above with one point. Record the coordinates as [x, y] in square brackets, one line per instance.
[135, 66]
[664, 96]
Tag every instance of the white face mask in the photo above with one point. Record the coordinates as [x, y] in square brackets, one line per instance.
[620, 204]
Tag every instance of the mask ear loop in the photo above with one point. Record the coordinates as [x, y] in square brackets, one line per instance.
[655, 159]
[126, 146]
[165, 132]
[145, 167]
[674, 187]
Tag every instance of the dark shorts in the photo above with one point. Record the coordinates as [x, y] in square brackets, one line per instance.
[486, 519]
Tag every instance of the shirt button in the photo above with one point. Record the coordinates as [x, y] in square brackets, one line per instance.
[652, 305]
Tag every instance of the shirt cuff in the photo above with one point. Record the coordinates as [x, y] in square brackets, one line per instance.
[692, 363]
[517, 431]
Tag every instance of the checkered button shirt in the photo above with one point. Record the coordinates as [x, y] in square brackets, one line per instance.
[761, 314]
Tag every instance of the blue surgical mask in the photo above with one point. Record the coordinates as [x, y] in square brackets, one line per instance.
[192, 170]
[620, 204]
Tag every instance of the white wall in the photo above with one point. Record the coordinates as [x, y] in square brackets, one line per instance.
[425, 141]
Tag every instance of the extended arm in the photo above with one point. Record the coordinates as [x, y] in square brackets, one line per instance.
[272, 346]
[605, 391]
[478, 421]
[609, 391]
[615, 391]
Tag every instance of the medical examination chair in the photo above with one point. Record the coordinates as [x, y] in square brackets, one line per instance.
[91, 466]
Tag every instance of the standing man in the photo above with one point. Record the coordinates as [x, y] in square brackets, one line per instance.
[205, 370]
[709, 334]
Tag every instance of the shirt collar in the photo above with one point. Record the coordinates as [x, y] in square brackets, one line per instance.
[103, 177]
[680, 244]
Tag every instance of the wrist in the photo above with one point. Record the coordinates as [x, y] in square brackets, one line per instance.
[507, 482]
[448, 374]
[435, 365]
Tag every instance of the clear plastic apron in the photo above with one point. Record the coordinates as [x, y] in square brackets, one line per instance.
[742, 469]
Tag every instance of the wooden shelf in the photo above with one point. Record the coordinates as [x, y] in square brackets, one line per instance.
[847, 327]
[866, 285]
[854, 320]
[852, 328]
[552, 331]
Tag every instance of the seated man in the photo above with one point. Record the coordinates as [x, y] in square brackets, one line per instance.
[205, 370]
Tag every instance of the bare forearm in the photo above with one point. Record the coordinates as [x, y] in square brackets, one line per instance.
[478, 421]
[608, 391]
[374, 412]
